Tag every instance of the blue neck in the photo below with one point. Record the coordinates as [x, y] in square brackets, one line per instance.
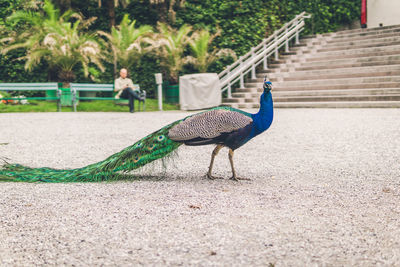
[263, 119]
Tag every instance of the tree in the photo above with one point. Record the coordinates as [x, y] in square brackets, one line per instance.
[51, 38]
[169, 46]
[126, 42]
[199, 44]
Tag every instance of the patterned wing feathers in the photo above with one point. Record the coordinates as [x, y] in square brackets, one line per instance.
[208, 125]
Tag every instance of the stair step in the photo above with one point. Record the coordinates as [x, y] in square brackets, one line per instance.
[337, 87]
[351, 104]
[249, 90]
[321, 87]
[329, 66]
[384, 91]
[368, 71]
[365, 104]
[348, 62]
[390, 33]
[242, 105]
[344, 81]
[319, 98]
[345, 98]
[366, 31]
[357, 46]
[365, 41]
[355, 53]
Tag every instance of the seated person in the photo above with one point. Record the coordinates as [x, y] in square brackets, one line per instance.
[124, 87]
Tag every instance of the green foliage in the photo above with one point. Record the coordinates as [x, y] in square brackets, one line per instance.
[242, 23]
[169, 46]
[143, 73]
[50, 37]
[12, 69]
[202, 57]
[327, 15]
[125, 43]
[245, 23]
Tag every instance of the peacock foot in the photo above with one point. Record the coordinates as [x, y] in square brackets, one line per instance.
[239, 178]
[211, 177]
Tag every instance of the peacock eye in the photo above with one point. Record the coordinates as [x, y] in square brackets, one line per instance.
[136, 159]
[160, 138]
[139, 144]
[150, 147]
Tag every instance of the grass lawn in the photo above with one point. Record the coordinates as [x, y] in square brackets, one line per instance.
[88, 106]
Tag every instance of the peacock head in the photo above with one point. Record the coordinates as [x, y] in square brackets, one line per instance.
[267, 86]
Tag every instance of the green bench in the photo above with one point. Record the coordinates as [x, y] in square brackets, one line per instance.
[99, 87]
[33, 87]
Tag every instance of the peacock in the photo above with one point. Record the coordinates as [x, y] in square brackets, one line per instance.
[222, 126]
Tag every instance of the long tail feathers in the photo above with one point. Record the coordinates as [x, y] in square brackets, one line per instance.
[154, 146]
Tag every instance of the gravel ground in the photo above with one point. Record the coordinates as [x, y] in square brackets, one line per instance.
[325, 191]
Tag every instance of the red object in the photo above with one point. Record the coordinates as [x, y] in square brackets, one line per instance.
[363, 12]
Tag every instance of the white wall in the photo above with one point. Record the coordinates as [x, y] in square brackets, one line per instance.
[386, 12]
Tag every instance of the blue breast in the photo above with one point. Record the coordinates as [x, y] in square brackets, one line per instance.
[261, 122]
[263, 119]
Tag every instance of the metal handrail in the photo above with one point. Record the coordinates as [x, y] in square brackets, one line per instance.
[261, 52]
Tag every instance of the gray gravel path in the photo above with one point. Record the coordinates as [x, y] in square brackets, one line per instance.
[325, 191]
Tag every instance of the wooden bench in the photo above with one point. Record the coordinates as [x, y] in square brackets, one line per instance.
[33, 87]
[99, 87]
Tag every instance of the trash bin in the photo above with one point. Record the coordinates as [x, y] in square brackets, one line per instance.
[51, 93]
[171, 93]
[66, 97]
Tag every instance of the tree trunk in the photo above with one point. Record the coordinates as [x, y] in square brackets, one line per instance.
[163, 12]
[64, 5]
[111, 12]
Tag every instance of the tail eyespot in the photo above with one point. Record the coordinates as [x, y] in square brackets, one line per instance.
[160, 138]
[140, 144]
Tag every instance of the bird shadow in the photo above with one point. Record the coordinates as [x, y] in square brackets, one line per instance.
[140, 177]
[170, 178]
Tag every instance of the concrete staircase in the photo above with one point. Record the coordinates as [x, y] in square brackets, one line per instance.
[353, 68]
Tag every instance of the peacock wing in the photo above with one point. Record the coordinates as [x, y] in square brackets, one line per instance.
[208, 125]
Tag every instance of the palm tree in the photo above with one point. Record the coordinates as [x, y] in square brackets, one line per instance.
[126, 42]
[51, 38]
[169, 46]
[200, 46]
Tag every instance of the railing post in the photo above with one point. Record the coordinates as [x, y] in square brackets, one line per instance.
[253, 67]
[265, 62]
[241, 78]
[287, 41]
[297, 32]
[229, 83]
[276, 47]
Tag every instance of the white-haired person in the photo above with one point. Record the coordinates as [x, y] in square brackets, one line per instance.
[124, 88]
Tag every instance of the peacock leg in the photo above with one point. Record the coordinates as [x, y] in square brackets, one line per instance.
[214, 153]
[234, 177]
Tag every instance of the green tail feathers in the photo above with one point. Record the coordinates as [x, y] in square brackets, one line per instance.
[154, 146]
